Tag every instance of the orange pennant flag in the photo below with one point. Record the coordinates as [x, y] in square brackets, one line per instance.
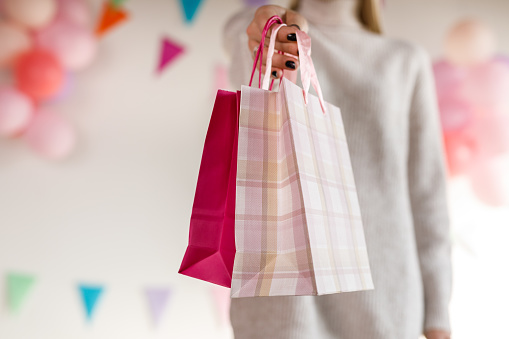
[111, 16]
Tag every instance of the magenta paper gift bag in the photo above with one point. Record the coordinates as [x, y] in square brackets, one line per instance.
[211, 250]
[298, 226]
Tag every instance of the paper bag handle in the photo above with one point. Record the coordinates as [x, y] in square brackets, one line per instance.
[307, 69]
[259, 53]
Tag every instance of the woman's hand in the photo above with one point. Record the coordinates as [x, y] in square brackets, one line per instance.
[437, 334]
[286, 40]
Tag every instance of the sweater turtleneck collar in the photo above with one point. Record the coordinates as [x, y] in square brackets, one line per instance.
[336, 13]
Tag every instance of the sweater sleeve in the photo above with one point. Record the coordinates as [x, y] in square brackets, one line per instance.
[428, 196]
[235, 44]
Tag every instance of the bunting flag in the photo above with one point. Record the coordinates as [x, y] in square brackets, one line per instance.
[157, 299]
[169, 51]
[18, 286]
[255, 3]
[90, 296]
[117, 3]
[190, 7]
[221, 298]
[111, 16]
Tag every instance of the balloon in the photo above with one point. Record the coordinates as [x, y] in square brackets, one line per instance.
[76, 12]
[487, 87]
[461, 150]
[50, 135]
[13, 41]
[31, 13]
[16, 110]
[73, 45]
[447, 76]
[455, 114]
[64, 91]
[39, 74]
[492, 133]
[490, 181]
[470, 42]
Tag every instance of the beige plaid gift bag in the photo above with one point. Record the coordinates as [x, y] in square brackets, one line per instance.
[298, 226]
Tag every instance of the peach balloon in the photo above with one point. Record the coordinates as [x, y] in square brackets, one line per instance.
[470, 42]
[39, 74]
[73, 45]
[16, 110]
[31, 13]
[14, 40]
[50, 135]
[490, 181]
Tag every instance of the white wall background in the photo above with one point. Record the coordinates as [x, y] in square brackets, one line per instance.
[117, 211]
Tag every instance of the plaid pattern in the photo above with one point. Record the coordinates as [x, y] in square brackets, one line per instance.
[298, 227]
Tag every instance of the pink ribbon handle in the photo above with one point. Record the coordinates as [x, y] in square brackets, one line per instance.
[307, 69]
[259, 54]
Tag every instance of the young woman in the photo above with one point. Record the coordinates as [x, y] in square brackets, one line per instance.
[385, 90]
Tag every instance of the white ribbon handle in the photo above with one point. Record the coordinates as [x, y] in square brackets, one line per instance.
[307, 69]
[270, 53]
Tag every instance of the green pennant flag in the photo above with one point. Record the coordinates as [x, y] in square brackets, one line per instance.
[117, 3]
[18, 286]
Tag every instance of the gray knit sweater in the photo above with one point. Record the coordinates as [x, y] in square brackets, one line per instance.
[385, 90]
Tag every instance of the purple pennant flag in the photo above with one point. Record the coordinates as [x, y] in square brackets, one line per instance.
[169, 51]
[157, 299]
[255, 3]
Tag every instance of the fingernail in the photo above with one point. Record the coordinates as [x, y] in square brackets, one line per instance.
[295, 25]
[274, 74]
[291, 37]
[290, 64]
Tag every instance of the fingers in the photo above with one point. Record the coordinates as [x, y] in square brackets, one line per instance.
[276, 72]
[294, 18]
[279, 61]
[286, 39]
[286, 47]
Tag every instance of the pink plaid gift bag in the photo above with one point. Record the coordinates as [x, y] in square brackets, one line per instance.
[298, 226]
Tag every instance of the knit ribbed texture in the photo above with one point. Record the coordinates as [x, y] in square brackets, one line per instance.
[384, 88]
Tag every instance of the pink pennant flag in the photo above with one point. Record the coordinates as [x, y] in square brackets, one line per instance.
[221, 297]
[169, 51]
[157, 300]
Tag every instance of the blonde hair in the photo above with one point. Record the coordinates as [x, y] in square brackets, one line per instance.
[369, 14]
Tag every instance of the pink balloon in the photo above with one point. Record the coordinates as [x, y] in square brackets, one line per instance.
[455, 112]
[74, 11]
[447, 76]
[14, 40]
[50, 135]
[16, 110]
[491, 129]
[487, 86]
[74, 45]
[490, 181]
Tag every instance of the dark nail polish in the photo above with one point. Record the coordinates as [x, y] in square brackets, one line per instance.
[274, 74]
[291, 37]
[290, 64]
[295, 25]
